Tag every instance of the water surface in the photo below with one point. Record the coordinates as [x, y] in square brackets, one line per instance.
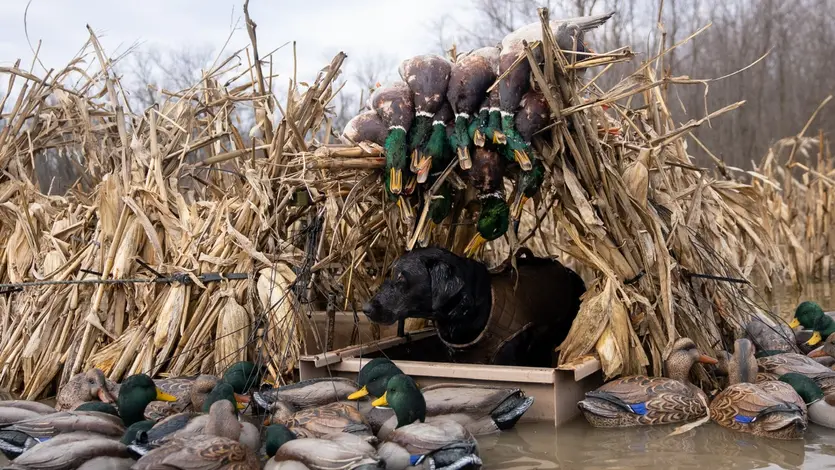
[577, 445]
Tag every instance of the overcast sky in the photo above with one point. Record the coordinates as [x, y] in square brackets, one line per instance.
[396, 28]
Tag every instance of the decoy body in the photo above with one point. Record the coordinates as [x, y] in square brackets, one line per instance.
[769, 409]
[640, 400]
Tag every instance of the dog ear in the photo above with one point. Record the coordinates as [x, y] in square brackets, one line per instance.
[446, 283]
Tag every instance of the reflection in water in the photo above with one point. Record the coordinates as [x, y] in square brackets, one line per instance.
[577, 445]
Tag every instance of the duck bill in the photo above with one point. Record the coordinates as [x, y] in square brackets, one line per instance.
[240, 406]
[707, 360]
[270, 382]
[395, 180]
[464, 158]
[794, 323]
[499, 137]
[423, 167]
[815, 339]
[359, 394]
[380, 401]
[523, 160]
[411, 184]
[162, 396]
[475, 243]
[518, 204]
[104, 396]
[268, 421]
[241, 398]
[413, 165]
[478, 138]
[817, 353]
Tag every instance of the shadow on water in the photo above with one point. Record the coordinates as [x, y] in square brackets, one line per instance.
[577, 445]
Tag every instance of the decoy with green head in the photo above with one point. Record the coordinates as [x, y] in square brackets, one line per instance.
[487, 177]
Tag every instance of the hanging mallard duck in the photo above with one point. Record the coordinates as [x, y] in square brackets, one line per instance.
[365, 127]
[427, 77]
[395, 107]
[469, 80]
[533, 116]
[486, 176]
[434, 150]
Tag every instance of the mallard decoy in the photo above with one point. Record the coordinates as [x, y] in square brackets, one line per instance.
[190, 393]
[365, 127]
[12, 411]
[86, 386]
[771, 338]
[824, 327]
[307, 393]
[480, 409]
[427, 77]
[486, 176]
[337, 451]
[779, 364]
[395, 107]
[135, 394]
[806, 314]
[319, 421]
[640, 400]
[437, 443]
[108, 463]
[222, 413]
[769, 409]
[821, 409]
[99, 406]
[201, 451]
[69, 451]
[469, 80]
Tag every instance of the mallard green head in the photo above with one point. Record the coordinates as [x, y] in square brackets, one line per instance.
[517, 149]
[98, 406]
[134, 429]
[374, 377]
[527, 187]
[441, 205]
[243, 375]
[403, 396]
[806, 314]
[222, 391]
[808, 390]
[824, 326]
[493, 221]
[277, 435]
[136, 392]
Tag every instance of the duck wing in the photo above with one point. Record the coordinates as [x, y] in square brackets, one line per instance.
[69, 451]
[641, 395]
[328, 419]
[69, 421]
[203, 453]
[793, 362]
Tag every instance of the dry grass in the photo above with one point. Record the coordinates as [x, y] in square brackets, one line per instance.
[179, 188]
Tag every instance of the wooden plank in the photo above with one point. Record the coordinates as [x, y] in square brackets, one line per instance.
[338, 355]
[479, 372]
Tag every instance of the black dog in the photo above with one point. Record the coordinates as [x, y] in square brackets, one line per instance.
[457, 293]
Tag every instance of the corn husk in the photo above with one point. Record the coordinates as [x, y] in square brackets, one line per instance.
[232, 335]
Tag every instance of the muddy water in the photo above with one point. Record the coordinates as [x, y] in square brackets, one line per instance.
[577, 445]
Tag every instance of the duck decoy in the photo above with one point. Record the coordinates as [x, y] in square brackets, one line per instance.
[480, 409]
[779, 364]
[69, 451]
[189, 392]
[307, 393]
[12, 411]
[769, 409]
[824, 327]
[416, 440]
[487, 176]
[395, 107]
[202, 451]
[365, 127]
[83, 387]
[337, 451]
[319, 421]
[778, 337]
[806, 314]
[469, 80]
[428, 78]
[640, 400]
[821, 409]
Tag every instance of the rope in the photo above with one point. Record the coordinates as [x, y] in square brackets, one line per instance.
[182, 278]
